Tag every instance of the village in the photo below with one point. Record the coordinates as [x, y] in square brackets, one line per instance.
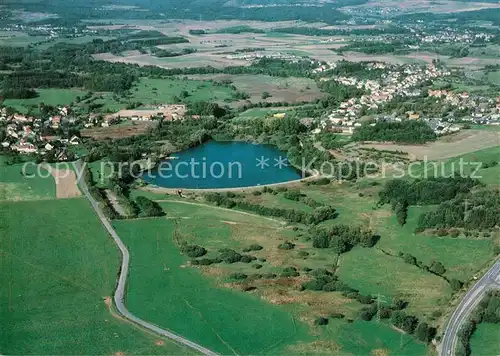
[405, 83]
[53, 136]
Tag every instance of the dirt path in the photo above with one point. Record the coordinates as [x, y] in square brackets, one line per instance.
[160, 190]
[225, 209]
[114, 202]
[65, 179]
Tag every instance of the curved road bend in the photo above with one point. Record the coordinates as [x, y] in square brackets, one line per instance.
[466, 306]
[122, 281]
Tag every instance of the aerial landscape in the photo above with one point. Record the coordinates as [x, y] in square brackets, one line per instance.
[250, 177]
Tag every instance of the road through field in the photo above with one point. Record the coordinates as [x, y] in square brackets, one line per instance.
[122, 280]
[490, 280]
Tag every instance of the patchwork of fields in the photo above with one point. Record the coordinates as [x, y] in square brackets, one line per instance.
[57, 267]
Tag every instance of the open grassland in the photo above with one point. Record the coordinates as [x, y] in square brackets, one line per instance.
[373, 272]
[152, 92]
[47, 96]
[483, 164]
[18, 39]
[453, 145]
[274, 318]
[462, 257]
[28, 183]
[163, 290]
[291, 90]
[485, 340]
[57, 267]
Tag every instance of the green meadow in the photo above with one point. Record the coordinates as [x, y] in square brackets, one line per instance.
[57, 264]
[199, 304]
[485, 340]
[488, 173]
[163, 290]
[47, 96]
[25, 182]
[149, 91]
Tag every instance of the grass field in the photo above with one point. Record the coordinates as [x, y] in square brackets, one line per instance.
[47, 96]
[199, 308]
[18, 39]
[289, 89]
[57, 265]
[16, 186]
[164, 291]
[469, 161]
[161, 91]
[485, 340]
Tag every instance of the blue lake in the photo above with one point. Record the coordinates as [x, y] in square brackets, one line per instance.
[223, 165]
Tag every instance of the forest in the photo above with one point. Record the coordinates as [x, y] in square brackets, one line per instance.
[406, 131]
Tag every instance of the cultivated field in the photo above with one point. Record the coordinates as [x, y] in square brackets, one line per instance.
[125, 129]
[462, 142]
[65, 179]
[58, 272]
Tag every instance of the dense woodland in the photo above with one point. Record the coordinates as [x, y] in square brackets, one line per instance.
[406, 131]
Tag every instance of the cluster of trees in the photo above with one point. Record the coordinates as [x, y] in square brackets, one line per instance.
[361, 70]
[326, 281]
[163, 53]
[314, 217]
[193, 251]
[314, 31]
[400, 319]
[235, 30]
[478, 210]
[425, 191]
[406, 131]
[378, 47]
[148, 207]
[337, 93]
[436, 268]
[225, 255]
[488, 311]
[342, 238]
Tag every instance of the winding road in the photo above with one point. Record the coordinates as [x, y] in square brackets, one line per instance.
[122, 280]
[489, 281]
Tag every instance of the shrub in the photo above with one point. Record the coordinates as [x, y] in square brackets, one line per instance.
[253, 247]
[193, 250]
[290, 272]
[269, 275]
[303, 254]
[229, 256]
[321, 321]
[455, 284]
[286, 246]
[257, 266]
[454, 233]
[247, 258]
[364, 299]
[238, 276]
[335, 315]
[437, 268]
[442, 232]
[292, 195]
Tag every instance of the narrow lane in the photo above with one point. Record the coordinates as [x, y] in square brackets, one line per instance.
[122, 280]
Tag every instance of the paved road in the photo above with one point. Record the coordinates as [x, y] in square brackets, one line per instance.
[122, 281]
[490, 280]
